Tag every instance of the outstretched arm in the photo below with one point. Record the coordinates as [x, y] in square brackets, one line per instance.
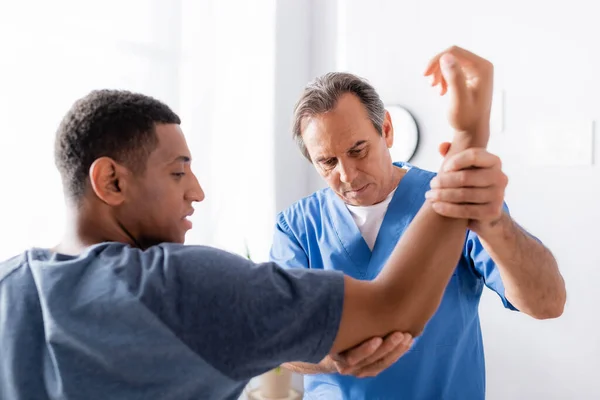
[260, 316]
[410, 287]
[529, 271]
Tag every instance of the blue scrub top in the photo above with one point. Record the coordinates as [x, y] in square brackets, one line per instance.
[447, 360]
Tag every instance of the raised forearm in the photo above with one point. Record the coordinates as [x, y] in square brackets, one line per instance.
[419, 269]
[410, 287]
[422, 263]
[529, 271]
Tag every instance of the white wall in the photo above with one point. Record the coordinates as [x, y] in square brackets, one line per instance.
[547, 60]
[306, 31]
[227, 107]
[292, 70]
[52, 54]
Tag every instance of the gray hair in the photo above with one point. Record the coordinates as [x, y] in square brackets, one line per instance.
[321, 96]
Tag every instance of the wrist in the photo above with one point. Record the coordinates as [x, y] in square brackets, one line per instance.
[327, 365]
[491, 231]
[476, 137]
[308, 368]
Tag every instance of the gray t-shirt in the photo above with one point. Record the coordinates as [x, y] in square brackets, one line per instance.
[171, 322]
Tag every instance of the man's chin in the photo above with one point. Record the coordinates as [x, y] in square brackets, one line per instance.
[362, 197]
[180, 239]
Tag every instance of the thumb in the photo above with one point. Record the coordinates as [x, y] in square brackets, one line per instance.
[444, 148]
[455, 78]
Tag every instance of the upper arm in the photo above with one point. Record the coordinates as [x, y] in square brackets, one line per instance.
[286, 249]
[364, 311]
[244, 318]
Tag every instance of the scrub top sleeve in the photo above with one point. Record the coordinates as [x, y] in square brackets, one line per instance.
[286, 249]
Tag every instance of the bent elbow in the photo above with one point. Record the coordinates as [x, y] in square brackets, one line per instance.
[551, 312]
[414, 326]
[417, 330]
[413, 320]
[547, 315]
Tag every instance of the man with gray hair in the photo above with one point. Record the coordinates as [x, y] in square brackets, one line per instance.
[342, 128]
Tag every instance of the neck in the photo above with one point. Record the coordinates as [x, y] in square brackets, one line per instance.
[396, 176]
[86, 226]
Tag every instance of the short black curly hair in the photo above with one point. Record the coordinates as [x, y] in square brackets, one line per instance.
[107, 123]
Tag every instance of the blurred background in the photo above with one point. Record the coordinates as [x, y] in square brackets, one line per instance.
[233, 69]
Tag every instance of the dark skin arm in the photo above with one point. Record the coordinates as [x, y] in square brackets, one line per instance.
[410, 287]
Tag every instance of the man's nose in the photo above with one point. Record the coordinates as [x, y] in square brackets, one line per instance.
[347, 172]
[196, 193]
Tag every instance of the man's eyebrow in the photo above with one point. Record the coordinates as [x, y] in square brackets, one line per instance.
[184, 159]
[357, 144]
[354, 147]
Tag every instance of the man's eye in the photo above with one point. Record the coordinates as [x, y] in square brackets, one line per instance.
[178, 174]
[356, 152]
[329, 162]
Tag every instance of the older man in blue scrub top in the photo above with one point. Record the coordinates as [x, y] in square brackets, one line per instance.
[342, 128]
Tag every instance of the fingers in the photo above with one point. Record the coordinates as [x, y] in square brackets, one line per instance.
[471, 185]
[462, 55]
[376, 367]
[443, 87]
[357, 354]
[472, 158]
[388, 345]
[454, 79]
[465, 195]
[477, 212]
[469, 178]
[327, 365]
[477, 69]
[435, 79]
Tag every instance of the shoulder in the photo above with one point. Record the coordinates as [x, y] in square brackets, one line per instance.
[18, 289]
[417, 176]
[164, 273]
[12, 265]
[296, 215]
[410, 194]
[165, 256]
[159, 264]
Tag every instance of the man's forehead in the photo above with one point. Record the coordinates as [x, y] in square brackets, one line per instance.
[172, 146]
[336, 127]
[318, 134]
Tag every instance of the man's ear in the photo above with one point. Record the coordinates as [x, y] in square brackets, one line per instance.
[387, 130]
[108, 180]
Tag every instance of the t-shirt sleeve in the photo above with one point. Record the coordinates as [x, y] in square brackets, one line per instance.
[241, 317]
[486, 267]
[286, 249]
